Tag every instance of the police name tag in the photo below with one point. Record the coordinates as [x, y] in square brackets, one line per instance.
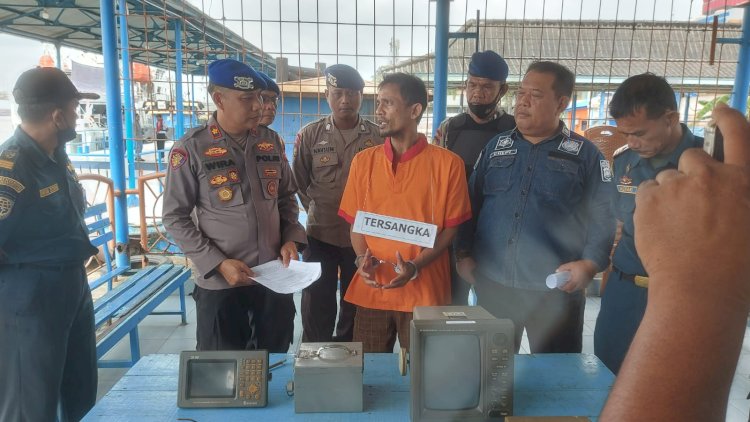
[398, 229]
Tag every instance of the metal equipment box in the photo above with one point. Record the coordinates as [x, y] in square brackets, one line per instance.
[328, 378]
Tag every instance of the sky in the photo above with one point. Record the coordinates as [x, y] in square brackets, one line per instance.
[359, 32]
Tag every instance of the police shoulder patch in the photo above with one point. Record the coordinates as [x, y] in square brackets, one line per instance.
[620, 150]
[177, 157]
[12, 183]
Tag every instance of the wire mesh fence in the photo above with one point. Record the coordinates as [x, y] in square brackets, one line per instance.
[602, 42]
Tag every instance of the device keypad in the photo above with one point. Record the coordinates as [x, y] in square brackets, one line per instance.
[251, 375]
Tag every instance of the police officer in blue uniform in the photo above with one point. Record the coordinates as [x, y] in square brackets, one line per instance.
[47, 341]
[467, 133]
[540, 196]
[646, 113]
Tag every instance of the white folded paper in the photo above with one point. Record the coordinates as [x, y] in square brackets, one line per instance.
[292, 279]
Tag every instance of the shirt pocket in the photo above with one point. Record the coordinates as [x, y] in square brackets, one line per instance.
[226, 196]
[498, 177]
[324, 167]
[269, 175]
[562, 182]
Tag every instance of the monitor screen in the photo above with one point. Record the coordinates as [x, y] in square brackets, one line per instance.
[211, 378]
[451, 375]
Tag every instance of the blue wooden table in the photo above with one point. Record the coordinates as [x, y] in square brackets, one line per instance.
[545, 385]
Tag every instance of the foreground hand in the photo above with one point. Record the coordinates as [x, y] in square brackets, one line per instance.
[581, 274]
[288, 252]
[465, 268]
[236, 273]
[407, 272]
[692, 225]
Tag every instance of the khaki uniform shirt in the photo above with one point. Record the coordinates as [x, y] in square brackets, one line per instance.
[323, 155]
[222, 201]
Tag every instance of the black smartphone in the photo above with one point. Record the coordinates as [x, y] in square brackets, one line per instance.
[713, 143]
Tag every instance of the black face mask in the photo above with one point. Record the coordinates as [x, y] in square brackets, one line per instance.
[484, 111]
[67, 134]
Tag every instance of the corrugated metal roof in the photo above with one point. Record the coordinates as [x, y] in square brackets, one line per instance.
[600, 53]
[77, 24]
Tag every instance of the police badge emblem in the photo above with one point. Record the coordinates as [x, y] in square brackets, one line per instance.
[504, 143]
[369, 143]
[177, 158]
[225, 193]
[264, 147]
[571, 146]
[6, 206]
[324, 159]
[243, 82]
[331, 80]
[218, 180]
[215, 152]
[272, 188]
[234, 175]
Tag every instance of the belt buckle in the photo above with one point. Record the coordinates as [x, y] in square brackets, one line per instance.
[641, 281]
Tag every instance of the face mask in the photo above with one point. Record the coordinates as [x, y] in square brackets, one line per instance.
[484, 111]
[67, 134]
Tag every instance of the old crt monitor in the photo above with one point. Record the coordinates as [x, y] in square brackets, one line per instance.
[461, 363]
[223, 379]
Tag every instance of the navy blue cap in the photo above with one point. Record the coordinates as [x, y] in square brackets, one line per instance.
[232, 74]
[47, 85]
[270, 84]
[488, 64]
[343, 76]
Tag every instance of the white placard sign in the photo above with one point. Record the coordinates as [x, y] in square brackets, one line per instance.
[393, 228]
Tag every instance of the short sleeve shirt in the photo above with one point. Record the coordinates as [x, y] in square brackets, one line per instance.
[428, 185]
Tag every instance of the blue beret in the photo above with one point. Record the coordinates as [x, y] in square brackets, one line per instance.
[232, 74]
[270, 84]
[488, 64]
[343, 76]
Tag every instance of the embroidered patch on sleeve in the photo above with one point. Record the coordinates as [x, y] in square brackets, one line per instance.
[177, 158]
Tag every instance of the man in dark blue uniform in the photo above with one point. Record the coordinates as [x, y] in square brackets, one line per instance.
[466, 134]
[646, 113]
[47, 342]
[540, 196]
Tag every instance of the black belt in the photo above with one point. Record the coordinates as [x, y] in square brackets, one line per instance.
[638, 280]
[47, 267]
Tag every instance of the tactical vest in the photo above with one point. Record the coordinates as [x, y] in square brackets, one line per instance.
[468, 143]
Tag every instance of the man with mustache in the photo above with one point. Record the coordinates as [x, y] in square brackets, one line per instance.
[466, 134]
[406, 189]
[323, 152]
[541, 201]
[234, 177]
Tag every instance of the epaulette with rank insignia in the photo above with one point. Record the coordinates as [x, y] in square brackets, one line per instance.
[620, 150]
[8, 157]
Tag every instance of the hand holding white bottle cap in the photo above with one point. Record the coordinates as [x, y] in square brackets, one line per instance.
[557, 280]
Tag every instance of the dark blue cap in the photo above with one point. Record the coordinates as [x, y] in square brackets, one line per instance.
[488, 64]
[343, 76]
[232, 74]
[270, 84]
